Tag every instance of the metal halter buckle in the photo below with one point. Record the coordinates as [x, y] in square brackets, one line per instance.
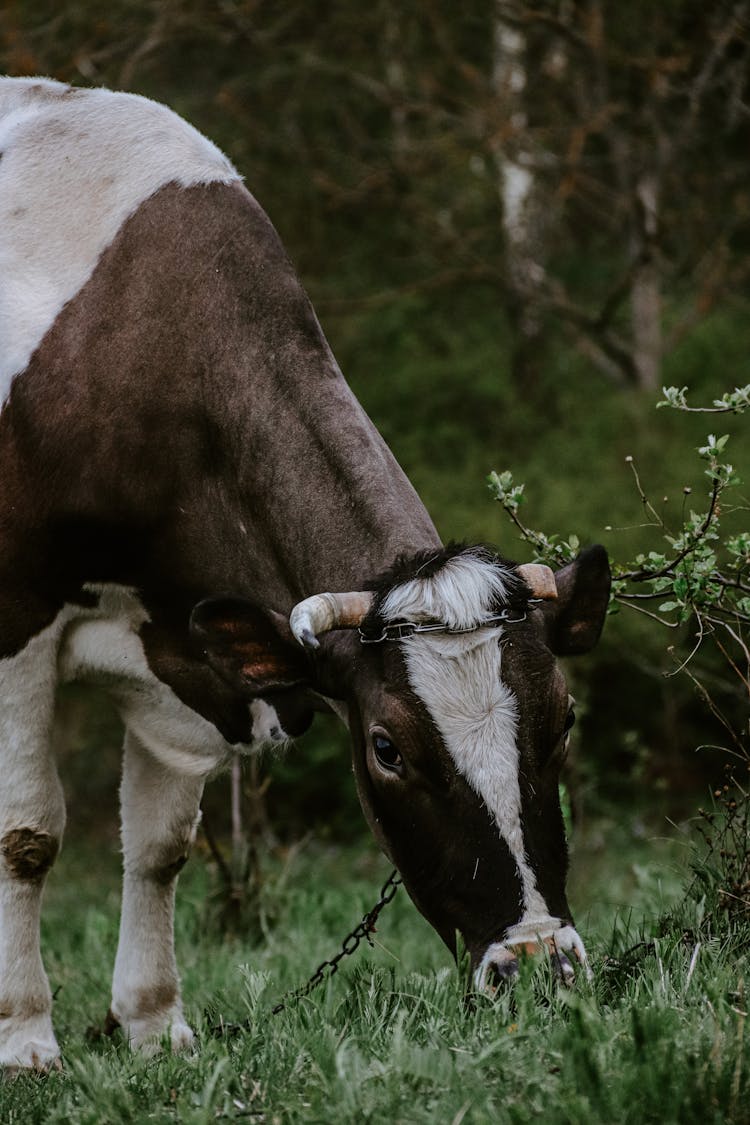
[400, 630]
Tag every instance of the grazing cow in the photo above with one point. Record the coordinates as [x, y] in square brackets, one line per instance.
[185, 478]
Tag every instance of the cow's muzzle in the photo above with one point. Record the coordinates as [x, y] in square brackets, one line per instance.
[561, 945]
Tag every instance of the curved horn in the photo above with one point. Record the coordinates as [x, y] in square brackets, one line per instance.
[539, 579]
[323, 612]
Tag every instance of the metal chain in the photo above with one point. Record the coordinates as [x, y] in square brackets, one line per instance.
[401, 630]
[326, 969]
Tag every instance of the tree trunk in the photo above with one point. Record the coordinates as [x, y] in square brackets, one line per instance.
[645, 293]
[395, 74]
[525, 212]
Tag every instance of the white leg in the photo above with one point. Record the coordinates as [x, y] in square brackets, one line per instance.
[160, 812]
[32, 818]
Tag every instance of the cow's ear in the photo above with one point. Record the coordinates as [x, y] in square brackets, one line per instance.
[575, 618]
[253, 649]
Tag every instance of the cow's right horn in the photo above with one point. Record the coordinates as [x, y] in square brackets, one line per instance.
[540, 580]
[323, 612]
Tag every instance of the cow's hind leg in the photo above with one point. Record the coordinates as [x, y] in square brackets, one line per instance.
[32, 818]
[160, 811]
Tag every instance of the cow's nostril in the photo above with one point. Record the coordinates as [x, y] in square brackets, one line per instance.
[563, 967]
[501, 972]
[498, 968]
[563, 947]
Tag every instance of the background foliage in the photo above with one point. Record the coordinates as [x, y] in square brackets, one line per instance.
[516, 222]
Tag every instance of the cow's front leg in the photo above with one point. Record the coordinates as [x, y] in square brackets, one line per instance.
[32, 818]
[28, 846]
[160, 812]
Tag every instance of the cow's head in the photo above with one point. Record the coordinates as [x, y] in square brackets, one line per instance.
[459, 716]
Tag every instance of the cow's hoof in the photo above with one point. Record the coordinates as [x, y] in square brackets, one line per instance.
[149, 1040]
[181, 1038]
[35, 1056]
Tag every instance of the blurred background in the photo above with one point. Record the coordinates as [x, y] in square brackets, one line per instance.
[516, 221]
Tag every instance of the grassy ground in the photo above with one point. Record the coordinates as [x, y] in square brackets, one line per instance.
[390, 1039]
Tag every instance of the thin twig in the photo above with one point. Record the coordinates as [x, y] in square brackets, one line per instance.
[644, 498]
[715, 711]
[693, 963]
[701, 634]
[743, 677]
[653, 616]
[648, 575]
[221, 863]
[628, 597]
[728, 894]
[720, 580]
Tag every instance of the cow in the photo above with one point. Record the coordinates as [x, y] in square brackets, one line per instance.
[197, 514]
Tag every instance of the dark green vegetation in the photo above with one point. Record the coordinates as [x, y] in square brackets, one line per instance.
[377, 136]
[657, 1036]
[381, 138]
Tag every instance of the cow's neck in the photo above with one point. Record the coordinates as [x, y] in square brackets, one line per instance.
[203, 437]
[320, 501]
[328, 503]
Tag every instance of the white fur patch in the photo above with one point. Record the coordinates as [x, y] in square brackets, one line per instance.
[267, 730]
[458, 678]
[169, 751]
[30, 797]
[461, 595]
[159, 821]
[75, 165]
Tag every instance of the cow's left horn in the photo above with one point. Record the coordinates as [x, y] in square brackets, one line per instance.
[540, 580]
[323, 612]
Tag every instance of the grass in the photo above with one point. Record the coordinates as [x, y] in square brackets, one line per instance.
[657, 1036]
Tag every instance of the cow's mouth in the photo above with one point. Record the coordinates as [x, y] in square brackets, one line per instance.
[561, 944]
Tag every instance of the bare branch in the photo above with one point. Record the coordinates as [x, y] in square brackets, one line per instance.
[215, 850]
[706, 75]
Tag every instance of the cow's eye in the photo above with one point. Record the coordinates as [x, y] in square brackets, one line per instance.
[570, 718]
[386, 753]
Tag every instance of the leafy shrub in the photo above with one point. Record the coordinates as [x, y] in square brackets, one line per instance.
[695, 583]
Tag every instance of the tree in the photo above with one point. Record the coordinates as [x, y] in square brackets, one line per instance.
[695, 582]
[638, 119]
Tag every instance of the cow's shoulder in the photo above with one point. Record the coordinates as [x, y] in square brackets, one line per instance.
[74, 165]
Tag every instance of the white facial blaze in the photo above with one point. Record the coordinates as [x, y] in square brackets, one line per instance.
[459, 682]
[458, 679]
[75, 165]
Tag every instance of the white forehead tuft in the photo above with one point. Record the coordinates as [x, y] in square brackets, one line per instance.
[75, 165]
[464, 593]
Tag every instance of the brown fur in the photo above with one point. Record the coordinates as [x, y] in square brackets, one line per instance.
[28, 853]
[184, 429]
[31, 1007]
[165, 873]
[193, 325]
[153, 1001]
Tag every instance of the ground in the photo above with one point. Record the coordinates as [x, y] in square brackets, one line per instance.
[390, 1039]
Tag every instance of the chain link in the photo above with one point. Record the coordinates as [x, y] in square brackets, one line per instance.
[326, 969]
[401, 630]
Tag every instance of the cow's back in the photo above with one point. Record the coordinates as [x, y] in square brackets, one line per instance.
[173, 418]
[74, 165]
